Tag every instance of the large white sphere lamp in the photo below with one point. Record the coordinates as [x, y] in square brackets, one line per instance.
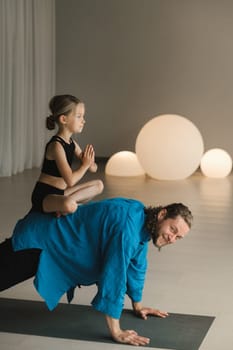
[124, 163]
[169, 147]
[216, 163]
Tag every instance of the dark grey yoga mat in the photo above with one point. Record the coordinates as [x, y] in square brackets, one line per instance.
[69, 321]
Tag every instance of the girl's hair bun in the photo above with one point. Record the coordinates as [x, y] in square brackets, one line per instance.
[50, 122]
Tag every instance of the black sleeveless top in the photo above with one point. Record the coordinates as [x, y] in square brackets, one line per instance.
[49, 166]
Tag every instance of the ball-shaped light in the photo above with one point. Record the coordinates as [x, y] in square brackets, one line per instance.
[124, 163]
[216, 163]
[169, 147]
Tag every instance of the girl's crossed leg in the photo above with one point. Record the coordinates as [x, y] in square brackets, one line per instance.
[68, 203]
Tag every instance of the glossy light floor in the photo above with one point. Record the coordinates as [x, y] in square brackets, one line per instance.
[194, 276]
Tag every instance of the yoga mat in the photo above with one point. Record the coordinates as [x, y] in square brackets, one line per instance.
[81, 322]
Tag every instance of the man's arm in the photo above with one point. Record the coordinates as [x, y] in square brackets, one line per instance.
[124, 336]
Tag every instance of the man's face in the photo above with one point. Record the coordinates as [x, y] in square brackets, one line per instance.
[170, 230]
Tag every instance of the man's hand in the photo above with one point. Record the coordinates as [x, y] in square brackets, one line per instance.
[145, 311]
[124, 336]
[130, 337]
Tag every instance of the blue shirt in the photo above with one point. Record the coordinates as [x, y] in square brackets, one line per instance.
[103, 243]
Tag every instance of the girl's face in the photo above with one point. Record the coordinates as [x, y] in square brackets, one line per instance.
[75, 120]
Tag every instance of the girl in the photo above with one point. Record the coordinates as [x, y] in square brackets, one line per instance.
[56, 189]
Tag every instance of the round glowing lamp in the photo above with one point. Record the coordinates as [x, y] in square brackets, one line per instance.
[124, 163]
[169, 147]
[216, 163]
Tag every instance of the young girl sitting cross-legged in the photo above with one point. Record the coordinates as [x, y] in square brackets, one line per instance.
[57, 189]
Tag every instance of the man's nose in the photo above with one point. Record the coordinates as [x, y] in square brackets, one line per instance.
[172, 238]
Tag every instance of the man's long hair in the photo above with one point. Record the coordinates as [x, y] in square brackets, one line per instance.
[172, 211]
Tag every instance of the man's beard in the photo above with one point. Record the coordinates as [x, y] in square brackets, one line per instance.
[156, 236]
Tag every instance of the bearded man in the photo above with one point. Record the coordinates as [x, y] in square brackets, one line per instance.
[103, 243]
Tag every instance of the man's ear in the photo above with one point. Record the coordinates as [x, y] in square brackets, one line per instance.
[162, 213]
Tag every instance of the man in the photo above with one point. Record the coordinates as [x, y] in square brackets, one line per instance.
[103, 243]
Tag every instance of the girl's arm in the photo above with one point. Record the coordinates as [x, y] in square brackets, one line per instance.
[71, 177]
[93, 168]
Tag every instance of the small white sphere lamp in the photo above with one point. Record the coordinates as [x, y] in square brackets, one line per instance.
[169, 147]
[124, 163]
[216, 163]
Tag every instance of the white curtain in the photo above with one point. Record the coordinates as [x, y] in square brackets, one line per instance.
[27, 81]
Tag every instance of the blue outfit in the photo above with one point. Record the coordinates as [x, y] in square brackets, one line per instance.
[103, 243]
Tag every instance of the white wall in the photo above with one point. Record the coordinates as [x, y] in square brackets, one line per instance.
[130, 60]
